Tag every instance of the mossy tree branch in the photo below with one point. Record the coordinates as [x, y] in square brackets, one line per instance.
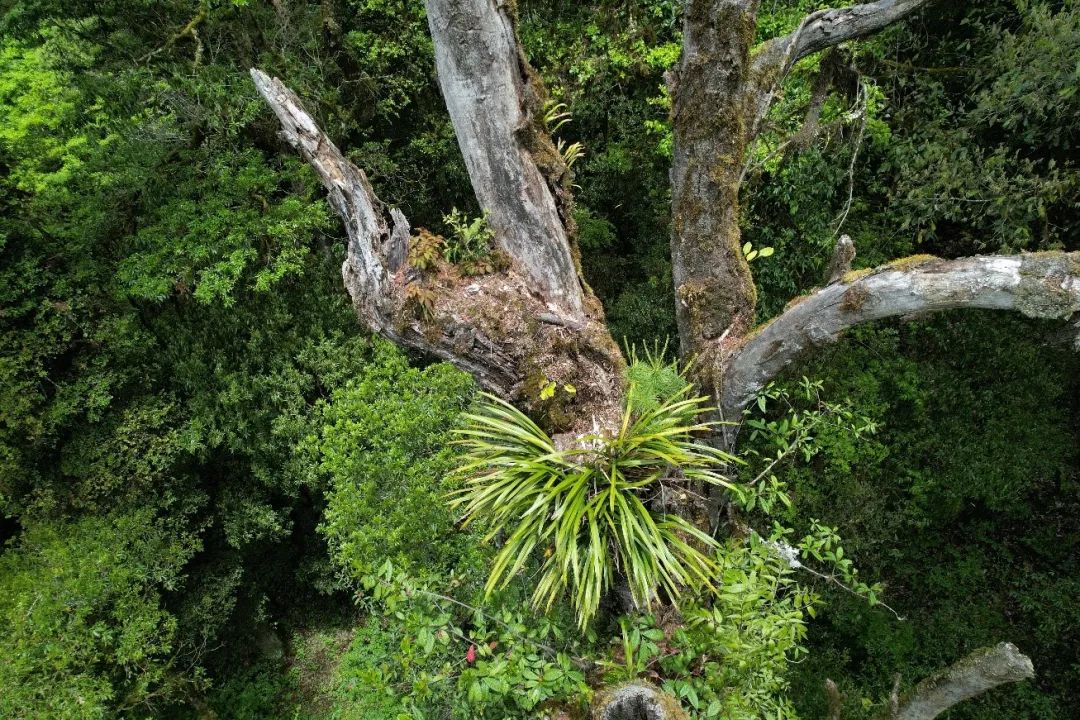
[1042, 285]
[982, 670]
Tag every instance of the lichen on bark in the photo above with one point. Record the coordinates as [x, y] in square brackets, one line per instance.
[1048, 289]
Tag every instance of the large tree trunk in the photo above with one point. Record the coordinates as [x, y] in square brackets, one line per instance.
[710, 117]
[535, 324]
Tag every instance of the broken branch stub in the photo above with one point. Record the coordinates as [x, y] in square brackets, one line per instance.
[982, 670]
[375, 236]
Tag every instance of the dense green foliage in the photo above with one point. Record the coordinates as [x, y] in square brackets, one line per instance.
[82, 618]
[385, 444]
[586, 507]
[200, 454]
[976, 540]
[172, 318]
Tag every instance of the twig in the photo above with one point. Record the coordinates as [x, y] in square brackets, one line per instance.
[854, 157]
[189, 29]
[838, 583]
[894, 696]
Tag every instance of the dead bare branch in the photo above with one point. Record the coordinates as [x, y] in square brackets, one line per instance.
[1045, 285]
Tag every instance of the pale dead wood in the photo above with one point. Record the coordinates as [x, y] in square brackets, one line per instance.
[500, 327]
[1044, 285]
[494, 102]
[982, 670]
[827, 28]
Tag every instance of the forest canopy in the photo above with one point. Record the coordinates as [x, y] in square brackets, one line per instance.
[725, 413]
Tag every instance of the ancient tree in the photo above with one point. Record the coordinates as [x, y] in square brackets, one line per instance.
[536, 317]
[533, 320]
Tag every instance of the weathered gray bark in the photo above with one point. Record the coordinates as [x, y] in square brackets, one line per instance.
[843, 255]
[510, 327]
[982, 670]
[373, 231]
[636, 700]
[499, 327]
[1044, 285]
[519, 329]
[828, 28]
[495, 104]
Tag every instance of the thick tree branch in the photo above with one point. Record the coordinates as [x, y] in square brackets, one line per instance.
[827, 28]
[982, 670]
[495, 103]
[372, 239]
[1043, 285]
[500, 327]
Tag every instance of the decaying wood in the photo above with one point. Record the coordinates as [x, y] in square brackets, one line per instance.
[489, 325]
[495, 104]
[836, 700]
[982, 670]
[1042, 285]
[535, 325]
[843, 255]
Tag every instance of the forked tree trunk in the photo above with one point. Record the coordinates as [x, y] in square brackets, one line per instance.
[535, 323]
[530, 330]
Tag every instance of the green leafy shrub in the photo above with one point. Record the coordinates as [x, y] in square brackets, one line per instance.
[83, 627]
[425, 248]
[469, 243]
[422, 653]
[730, 655]
[963, 503]
[585, 508]
[385, 447]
